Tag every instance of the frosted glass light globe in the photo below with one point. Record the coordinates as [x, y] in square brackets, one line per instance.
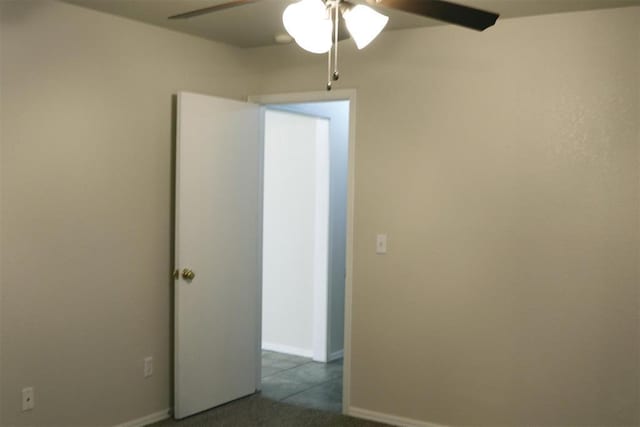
[309, 23]
[364, 24]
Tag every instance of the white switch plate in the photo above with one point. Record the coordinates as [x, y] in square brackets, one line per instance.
[148, 366]
[28, 398]
[381, 244]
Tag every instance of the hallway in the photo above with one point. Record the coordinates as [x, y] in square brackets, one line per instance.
[300, 381]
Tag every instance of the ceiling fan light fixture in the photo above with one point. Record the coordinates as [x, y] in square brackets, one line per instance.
[364, 24]
[309, 23]
[317, 37]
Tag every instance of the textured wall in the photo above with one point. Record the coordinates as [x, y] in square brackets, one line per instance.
[86, 222]
[504, 167]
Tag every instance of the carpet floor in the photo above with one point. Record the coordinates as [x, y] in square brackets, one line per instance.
[257, 411]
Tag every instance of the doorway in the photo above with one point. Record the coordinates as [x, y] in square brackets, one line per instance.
[306, 158]
[218, 249]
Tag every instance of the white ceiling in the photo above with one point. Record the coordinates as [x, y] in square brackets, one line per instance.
[256, 24]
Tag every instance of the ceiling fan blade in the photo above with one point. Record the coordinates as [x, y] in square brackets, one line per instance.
[452, 13]
[210, 9]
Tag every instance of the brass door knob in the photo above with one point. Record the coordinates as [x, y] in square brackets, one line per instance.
[188, 274]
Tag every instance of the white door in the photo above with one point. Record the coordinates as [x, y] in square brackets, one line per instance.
[218, 238]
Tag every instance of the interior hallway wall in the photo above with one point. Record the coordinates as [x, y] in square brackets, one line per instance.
[338, 113]
[504, 167]
[295, 226]
[86, 206]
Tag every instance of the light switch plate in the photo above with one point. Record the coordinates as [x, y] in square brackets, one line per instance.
[28, 396]
[148, 366]
[381, 244]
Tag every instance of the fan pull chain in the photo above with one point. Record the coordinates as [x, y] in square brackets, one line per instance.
[334, 7]
[329, 70]
[336, 75]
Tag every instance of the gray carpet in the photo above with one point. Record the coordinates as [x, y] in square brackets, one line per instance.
[257, 411]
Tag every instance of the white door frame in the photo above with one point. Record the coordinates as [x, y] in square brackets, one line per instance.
[319, 96]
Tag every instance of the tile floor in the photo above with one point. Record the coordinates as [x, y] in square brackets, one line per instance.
[300, 381]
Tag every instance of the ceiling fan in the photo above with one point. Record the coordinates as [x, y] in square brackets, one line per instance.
[315, 24]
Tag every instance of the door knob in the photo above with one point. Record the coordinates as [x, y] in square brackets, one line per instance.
[188, 274]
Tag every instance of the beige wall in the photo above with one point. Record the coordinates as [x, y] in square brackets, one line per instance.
[86, 167]
[504, 167]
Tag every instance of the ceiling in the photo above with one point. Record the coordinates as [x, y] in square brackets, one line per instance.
[256, 24]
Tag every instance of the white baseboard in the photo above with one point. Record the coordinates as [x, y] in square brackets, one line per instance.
[147, 419]
[336, 355]
[287, 349]
[388, 419]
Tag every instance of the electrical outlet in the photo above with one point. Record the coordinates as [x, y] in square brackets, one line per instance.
[148, 366]
[28, 399]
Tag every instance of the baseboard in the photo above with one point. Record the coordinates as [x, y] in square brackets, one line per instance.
[287, 349]
[388, 419]
[147, 419]
[336, 355]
